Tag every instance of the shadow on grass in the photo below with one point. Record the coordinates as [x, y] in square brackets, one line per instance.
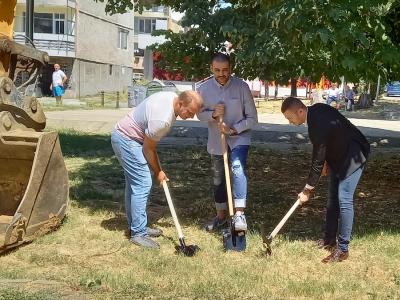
[274, 180]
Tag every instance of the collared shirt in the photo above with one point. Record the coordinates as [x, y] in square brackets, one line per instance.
[240, 112]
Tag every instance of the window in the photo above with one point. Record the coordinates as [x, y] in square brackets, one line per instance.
[158, 9]
[123, 38]
[48, 23]
[147, 25]
[155, 8]
[43, 23]
[59, 22]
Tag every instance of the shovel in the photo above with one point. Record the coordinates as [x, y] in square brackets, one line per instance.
[182, 248]
[268, 240]
[232, 239]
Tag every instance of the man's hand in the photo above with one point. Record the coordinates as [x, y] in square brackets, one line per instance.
[219, 110]
[225, 129]
[161, 176]
[325, 170]
[304, 196]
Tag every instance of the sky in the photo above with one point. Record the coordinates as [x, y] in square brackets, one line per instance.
[177, 15]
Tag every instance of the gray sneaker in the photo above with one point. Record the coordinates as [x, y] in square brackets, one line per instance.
[240, 222]
[154, 232]
[216, 224]
[144, 241]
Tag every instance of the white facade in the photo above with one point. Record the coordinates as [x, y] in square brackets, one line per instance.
[155, 18]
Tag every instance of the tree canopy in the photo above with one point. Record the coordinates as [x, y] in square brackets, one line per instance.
[279, 40]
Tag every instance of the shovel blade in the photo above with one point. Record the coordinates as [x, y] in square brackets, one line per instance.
[237, 242]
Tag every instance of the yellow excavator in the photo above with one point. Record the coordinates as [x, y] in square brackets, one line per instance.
[33, 176]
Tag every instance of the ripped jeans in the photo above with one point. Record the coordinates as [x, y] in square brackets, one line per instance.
[237, 162]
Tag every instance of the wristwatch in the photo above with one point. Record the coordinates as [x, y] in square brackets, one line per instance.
[307, 191]
[232, 132]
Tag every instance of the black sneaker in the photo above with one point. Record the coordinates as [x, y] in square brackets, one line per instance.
[216, 224]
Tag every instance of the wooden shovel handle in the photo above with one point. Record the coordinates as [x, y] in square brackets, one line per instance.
[284, 219]
[227, 172]
[172, 209]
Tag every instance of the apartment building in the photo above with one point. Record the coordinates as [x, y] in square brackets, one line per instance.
[154, 18]
[94, 49]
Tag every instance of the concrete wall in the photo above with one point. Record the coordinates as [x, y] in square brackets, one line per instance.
[97, 35]
[90, 78]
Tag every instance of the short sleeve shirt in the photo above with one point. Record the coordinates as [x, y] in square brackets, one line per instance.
[154, 118]
[58, 77]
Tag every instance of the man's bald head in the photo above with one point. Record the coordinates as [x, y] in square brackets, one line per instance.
[191, 97]
[189, 104]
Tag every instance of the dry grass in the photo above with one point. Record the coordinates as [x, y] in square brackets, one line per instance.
[89, 257]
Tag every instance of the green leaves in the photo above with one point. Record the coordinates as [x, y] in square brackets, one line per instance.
[278, 40]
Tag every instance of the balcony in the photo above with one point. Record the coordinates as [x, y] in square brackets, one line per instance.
[63, 3]
[51, 43]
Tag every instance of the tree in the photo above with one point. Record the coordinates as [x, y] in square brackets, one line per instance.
[280, 40]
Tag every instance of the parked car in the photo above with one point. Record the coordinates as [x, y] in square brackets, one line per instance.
[393, 89]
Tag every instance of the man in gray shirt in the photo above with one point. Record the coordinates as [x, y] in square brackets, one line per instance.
[228, 98]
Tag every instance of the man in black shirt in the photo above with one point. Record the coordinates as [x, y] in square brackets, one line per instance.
[341, 147]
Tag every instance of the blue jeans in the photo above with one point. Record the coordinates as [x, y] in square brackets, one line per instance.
[137, 181]
[331, 99]
[340, 206]
[237, 162]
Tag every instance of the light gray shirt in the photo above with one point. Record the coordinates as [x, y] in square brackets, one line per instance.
[240, 112]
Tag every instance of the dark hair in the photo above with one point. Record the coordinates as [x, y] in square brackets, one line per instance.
[221, 57]
[291, 102]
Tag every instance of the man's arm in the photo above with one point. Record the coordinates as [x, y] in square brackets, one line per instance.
[317, 164]
[150, 153]
[249, 110]
[64, 79]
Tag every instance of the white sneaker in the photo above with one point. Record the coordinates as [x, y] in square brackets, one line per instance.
[240, 222]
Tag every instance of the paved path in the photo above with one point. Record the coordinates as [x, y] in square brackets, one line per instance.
[102, 121]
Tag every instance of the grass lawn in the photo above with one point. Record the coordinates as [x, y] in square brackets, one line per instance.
[90, 257]
[87, 102]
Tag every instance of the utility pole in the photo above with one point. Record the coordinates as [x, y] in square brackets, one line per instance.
[30, 4]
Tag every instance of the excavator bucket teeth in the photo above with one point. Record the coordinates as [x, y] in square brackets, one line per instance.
[33, 186]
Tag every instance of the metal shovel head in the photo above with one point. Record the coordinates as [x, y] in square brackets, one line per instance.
[234, 241]
[267, 246]
[187, 250]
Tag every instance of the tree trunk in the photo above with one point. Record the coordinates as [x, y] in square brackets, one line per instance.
[266, 89]
[276, 91]
[293, 87]
[377, 88]
[364, 101]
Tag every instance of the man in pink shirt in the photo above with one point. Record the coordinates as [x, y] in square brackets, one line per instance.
[134, 141]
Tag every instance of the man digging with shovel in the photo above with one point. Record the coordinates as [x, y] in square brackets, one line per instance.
[228, 108]
[134, 141]
[345, 150]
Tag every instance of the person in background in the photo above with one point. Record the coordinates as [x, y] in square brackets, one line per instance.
[57, 85]
[333, 95]
[348, 98]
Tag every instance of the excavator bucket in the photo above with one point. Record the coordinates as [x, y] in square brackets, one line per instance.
[33, 186]
[33, 176]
